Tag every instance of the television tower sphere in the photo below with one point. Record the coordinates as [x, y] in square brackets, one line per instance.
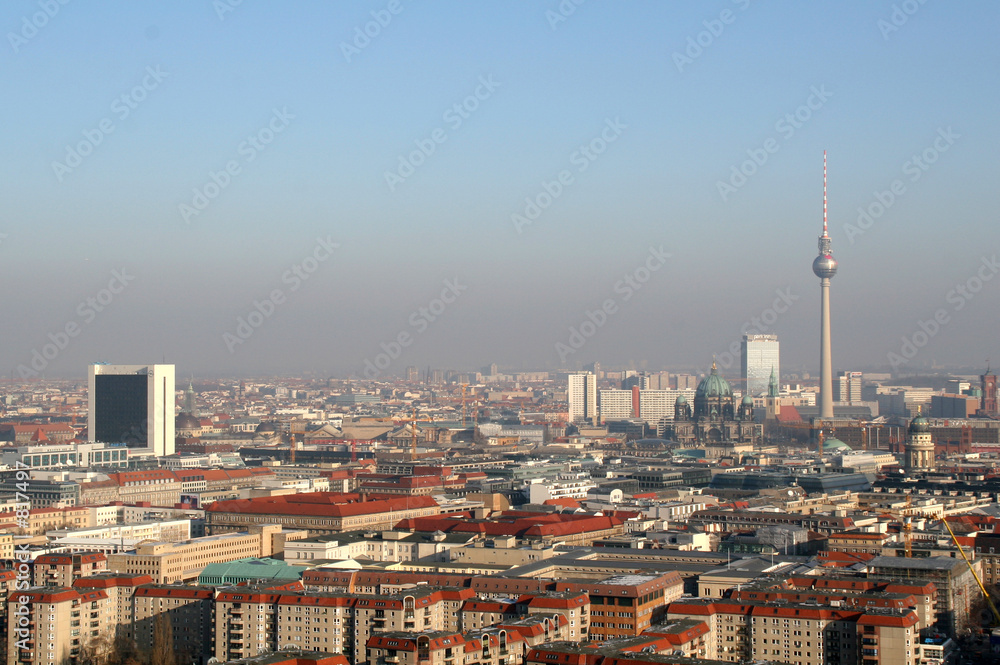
[825, 266]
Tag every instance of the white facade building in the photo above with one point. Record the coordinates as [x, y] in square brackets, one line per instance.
[759, 356]
[582, 397]
[653, 406]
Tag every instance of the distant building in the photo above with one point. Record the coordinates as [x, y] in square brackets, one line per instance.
[635, 379]
[988, 385]
[651, 406]
[759, 355]
[72, 455]
[954, 406]
[582, 396]
[847, 387]
[134, 405]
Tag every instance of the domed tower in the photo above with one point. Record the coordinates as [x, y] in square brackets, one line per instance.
[682, 410]
[825, 266]
[746, 408]
[186, 425]
[713, 401]
[920, 446]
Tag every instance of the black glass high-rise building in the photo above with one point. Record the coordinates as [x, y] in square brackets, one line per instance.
[134, 405]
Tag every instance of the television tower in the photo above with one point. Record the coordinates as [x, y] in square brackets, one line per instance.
[825, 267]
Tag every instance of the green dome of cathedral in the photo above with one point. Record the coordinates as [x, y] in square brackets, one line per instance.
[714, 385]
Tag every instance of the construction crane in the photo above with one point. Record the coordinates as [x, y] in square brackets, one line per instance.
[464, 386]
[296, 427]
[413, 420]
[905, 524]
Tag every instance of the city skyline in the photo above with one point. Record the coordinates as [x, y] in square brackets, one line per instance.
[260, 190]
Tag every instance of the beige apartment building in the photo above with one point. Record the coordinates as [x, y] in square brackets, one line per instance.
[184, 561]
[445, 648]
[120, 590]
[246, 621]
[64, 569]
[59, 621]
[249, 620]
[41, 520]
[189, 610]
[804, 634]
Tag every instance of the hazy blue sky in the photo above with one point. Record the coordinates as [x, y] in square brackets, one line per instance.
[310, 115]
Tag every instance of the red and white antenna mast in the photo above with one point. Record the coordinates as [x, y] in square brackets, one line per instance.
[824, 194]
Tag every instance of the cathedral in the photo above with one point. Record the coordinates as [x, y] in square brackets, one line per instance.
[715, 418]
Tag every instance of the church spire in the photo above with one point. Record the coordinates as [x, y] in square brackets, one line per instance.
[772, 384]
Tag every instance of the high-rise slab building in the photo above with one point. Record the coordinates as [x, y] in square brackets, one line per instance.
[759, 357]
[134, 405]
[582, 396]
[825, 267]
[848, 387]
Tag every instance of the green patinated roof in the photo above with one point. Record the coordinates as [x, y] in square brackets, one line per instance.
[835, 444]
[714, 385]
[243, 570]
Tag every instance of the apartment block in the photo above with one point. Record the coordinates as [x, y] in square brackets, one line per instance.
[804, 633]
[120, 590]
[445, 648]
[957, 590]
[253, 619]
[246, 621]
[60, 621]
[186, 611]
[64, 569]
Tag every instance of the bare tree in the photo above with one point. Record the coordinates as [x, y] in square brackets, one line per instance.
[162, 652]
[96, 650]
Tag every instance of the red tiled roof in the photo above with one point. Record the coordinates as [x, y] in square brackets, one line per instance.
[325, 504]
[109, 582]
[788, 414]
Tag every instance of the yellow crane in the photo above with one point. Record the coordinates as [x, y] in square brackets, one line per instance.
[413, 420]
[464, 386]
